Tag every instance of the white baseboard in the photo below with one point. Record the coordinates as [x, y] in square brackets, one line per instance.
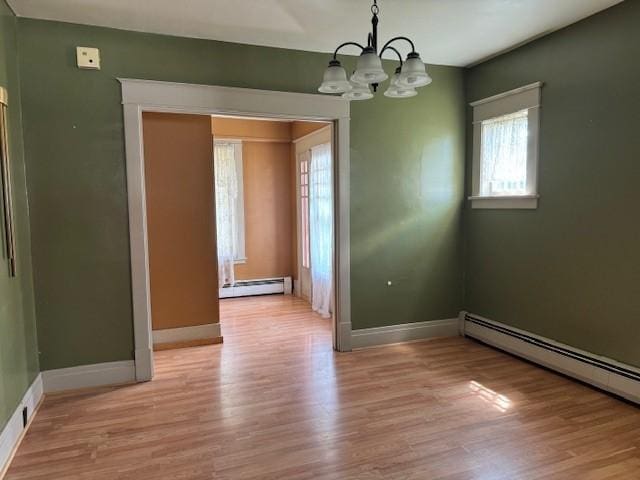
[184, 334]
[407, 332]
[602, 372]
[85, 376]
[13, 432]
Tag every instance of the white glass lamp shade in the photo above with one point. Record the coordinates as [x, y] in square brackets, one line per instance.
[394, 80]
[414, 73]
[369, 69]
[359, 91]
[335, 79]
[396, 91]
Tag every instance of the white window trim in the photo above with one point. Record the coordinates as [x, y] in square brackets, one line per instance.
[523, 98]
[241, 257]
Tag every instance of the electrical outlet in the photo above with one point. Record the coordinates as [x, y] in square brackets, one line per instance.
[88, 57]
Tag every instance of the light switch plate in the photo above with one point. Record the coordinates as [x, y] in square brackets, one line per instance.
[88, 58]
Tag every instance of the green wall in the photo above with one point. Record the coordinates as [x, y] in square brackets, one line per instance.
[406, 181]
[18, 348]
[570, 270]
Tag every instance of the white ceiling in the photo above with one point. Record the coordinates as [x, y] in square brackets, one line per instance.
[446, 32]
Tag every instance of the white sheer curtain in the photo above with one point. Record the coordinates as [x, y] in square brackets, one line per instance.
[226, 186]
[321, 228]
[503, 162]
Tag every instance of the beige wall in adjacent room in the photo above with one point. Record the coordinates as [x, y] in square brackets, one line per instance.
[267, 211]
[300, 129]
[251, 130]
[180, 221]
[269, 195]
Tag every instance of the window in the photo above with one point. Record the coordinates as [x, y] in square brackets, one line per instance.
[505, 149]
[229, 201]
[503, 155]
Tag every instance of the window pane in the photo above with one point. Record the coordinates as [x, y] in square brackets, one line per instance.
[503, 155]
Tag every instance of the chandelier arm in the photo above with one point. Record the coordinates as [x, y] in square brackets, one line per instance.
[355, 44]
[386, 45]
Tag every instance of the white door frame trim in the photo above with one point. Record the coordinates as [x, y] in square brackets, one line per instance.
[140, 96]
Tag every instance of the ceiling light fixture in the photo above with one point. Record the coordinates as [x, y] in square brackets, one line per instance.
[410, 75]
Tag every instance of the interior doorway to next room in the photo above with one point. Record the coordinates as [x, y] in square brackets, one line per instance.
[274, 202]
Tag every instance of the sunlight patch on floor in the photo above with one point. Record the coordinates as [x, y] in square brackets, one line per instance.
[496, 400]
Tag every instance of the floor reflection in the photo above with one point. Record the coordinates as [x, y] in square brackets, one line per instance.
[499, 402]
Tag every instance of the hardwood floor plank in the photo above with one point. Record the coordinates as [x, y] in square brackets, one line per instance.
[275, 402]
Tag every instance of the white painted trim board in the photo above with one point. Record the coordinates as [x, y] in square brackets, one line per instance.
[13, 432]
[500, 96]
[184, 334]
[407, 332]
[85, 376]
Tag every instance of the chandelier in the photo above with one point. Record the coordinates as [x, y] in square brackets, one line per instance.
[369, 73]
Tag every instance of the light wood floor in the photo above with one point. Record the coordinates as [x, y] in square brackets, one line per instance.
[274, 402]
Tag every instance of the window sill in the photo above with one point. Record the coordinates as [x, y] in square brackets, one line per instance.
[529, 202]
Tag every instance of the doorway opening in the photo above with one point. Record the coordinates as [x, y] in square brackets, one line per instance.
[274, 211]
[237, 208]
[143, 96]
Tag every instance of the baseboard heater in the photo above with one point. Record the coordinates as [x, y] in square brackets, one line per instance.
[263, 286]
[602, 372]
